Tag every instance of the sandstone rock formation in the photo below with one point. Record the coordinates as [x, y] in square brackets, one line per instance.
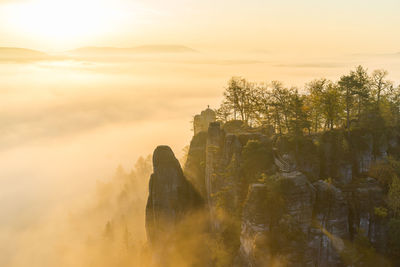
[306, 215]
[171, 196]
[263, 239]
[194, 167]
[363, 199]
[330, 224]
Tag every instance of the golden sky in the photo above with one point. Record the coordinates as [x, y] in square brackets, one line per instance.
[349, 26]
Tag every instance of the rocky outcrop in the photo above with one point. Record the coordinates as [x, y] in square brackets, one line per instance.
[195, 163]
[171, 197]
[336, 154]
[254, 228]
[212, 168]
[223, 166]
[330, 224]
[364, 156]
[363, 198]
[336, 161]
[273, 231]
[308, 213]
[342, 208]
[219, 156]
[316, 224]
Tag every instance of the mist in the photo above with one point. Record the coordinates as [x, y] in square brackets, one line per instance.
[68, 122]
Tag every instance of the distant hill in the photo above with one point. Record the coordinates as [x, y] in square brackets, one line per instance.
[145, 49]
[21, 54]
[164, 49]
[389, 54]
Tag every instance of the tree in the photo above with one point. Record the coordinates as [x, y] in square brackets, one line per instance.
[256, 159]
[120, 172]
[298, 117]
[361, 88]
[144, 166]
[240, 95]
[325, 105]
[345, 84]
[108, 233]
[262, 104]
[224, 112]
[392, 97]
[355, 89]
[279, 102]
[315, 90]
[330, 105]
[127, 238]
[379, 85]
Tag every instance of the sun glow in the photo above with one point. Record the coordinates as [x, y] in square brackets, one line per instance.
[64, 23]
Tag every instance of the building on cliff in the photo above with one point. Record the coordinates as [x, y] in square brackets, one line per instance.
[202, 120]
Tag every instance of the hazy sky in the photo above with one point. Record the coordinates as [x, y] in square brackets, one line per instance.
[330, 26]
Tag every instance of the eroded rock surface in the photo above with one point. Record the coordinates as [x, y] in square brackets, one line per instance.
[171, 196]
[278, 233]
[309, 217]
[330, 224]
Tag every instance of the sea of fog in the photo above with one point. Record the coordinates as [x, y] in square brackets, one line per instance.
[65, 124]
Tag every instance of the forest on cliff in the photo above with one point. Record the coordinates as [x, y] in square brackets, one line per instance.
[343, 137]
[357, 100]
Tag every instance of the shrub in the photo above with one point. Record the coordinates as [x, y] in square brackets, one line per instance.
[385, 171]
[380, 212]
[256, 158]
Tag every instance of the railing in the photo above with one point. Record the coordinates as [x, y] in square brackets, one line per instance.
[282, 164]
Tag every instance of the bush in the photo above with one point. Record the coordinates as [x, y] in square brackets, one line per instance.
[257, 158]
[385, 171]
[361, 253]
[380, 212]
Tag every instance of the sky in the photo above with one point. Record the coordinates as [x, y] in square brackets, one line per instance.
[285, 26]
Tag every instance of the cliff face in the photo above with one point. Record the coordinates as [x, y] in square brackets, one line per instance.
[330, 224]
[195, 163]
[274, 232]
[303, 203]
[362, 200]
[223, 168]
[171, 197]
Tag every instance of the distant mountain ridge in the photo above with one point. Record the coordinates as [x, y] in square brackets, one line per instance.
[21, 50]
[17, 54]
[148, 49]
[21, 54]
